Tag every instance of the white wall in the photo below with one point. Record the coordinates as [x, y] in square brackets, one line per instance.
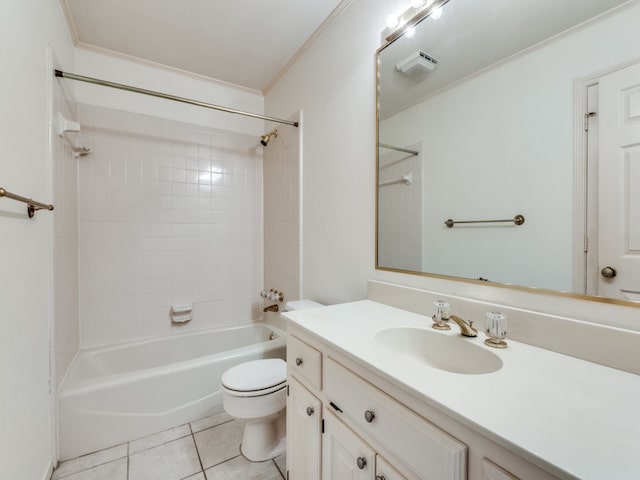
[129, 72]
[334, 85]
[26, 28]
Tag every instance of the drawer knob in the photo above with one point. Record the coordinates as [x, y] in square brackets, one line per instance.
[309, 411]
[298, 361]
[369, 416]
[380, 477]
[362, 462]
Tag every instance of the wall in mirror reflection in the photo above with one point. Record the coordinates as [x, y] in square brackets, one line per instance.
[497, 145]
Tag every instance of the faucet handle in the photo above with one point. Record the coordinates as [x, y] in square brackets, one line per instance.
[496, 329]
[441, 315]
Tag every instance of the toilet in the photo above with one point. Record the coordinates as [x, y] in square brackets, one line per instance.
[256, 392]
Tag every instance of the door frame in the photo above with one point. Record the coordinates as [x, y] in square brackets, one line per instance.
[581, 174]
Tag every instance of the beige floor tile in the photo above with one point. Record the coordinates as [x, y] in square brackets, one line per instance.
[219, 443]
[211, 421]
[88, 461]
[241, 468]
[156, 439]
[172, 461]
[116, 470]
[197, 476]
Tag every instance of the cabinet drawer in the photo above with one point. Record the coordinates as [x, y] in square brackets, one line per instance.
[429, 452]
[304, 362]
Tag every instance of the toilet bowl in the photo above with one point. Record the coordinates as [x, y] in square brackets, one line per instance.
[256, 392]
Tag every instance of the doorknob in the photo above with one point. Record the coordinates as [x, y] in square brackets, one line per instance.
[608, 272]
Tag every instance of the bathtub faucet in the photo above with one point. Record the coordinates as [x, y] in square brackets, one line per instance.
[271, 308]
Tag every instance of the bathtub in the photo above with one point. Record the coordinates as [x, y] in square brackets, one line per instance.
[114, 394]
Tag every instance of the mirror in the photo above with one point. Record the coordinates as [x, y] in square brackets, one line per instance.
[481, 119]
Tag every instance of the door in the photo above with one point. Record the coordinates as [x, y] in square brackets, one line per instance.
[619, 184]
[344, 455]
[304, 431]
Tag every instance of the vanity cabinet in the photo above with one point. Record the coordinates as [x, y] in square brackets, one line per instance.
[344, 454]
[345, 422]
[304, 432]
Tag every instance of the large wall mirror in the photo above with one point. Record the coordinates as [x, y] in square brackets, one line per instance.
[522, 118]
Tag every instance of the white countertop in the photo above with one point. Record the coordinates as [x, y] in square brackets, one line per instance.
[575, 418]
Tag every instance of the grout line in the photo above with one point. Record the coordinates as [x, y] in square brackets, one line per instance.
[195, 444]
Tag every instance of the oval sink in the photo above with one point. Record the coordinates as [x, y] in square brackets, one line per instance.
[445, 352]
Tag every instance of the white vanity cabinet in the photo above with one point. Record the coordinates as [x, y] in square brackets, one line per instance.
[324, 441]
[304, 432]
[344, 454]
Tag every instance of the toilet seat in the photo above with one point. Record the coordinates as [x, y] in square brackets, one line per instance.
[255, 378]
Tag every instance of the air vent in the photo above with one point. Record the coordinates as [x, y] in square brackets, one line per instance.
[417, 62]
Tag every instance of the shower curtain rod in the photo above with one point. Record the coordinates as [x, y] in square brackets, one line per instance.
[128, 88]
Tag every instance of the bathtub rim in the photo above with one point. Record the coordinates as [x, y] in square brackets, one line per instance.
[69, 386]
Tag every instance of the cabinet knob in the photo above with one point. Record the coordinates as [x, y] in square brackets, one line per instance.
[369, 416]
[298, 361]
[362, 462]
[309, 411]
[381, 477]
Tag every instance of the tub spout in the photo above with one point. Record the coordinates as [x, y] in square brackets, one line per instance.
[271, 308]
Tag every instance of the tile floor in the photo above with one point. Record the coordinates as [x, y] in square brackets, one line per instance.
[207, 449]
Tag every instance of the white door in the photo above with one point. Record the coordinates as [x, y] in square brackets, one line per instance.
[304, 431]
[344, 455]
[619, 184]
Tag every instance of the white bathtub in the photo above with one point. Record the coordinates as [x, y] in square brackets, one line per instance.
[114, 394]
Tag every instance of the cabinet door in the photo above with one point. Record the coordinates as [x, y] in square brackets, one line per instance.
[304, 431]
[344, 455]
[384, 470]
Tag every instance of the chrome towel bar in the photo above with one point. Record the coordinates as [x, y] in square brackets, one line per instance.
[32, 205]
[518, 220]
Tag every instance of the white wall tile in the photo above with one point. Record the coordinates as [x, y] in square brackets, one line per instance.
[153, 233]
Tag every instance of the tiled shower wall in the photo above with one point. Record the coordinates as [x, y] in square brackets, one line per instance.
[282, 214]
[64, 167]
[169, 214]
[400, 221]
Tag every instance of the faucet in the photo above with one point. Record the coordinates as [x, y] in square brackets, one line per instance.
[271, 308]
[442, 316]
[466, 328]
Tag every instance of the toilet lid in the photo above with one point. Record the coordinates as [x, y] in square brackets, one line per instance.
[255, 375]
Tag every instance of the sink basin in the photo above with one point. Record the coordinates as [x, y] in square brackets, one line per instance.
[445, 352]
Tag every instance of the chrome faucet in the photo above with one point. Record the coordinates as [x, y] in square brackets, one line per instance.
[466, 328]
[271, 308]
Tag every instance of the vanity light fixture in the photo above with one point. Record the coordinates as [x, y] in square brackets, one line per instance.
[399, 25]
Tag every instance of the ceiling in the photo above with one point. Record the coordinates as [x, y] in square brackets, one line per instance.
[472, 35]
[243, 42]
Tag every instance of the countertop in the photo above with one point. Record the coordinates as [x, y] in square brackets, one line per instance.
[574, 418]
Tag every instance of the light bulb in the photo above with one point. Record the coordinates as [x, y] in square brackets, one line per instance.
[417, 3]
[437, 13]
[410, 32]
[392, 21]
